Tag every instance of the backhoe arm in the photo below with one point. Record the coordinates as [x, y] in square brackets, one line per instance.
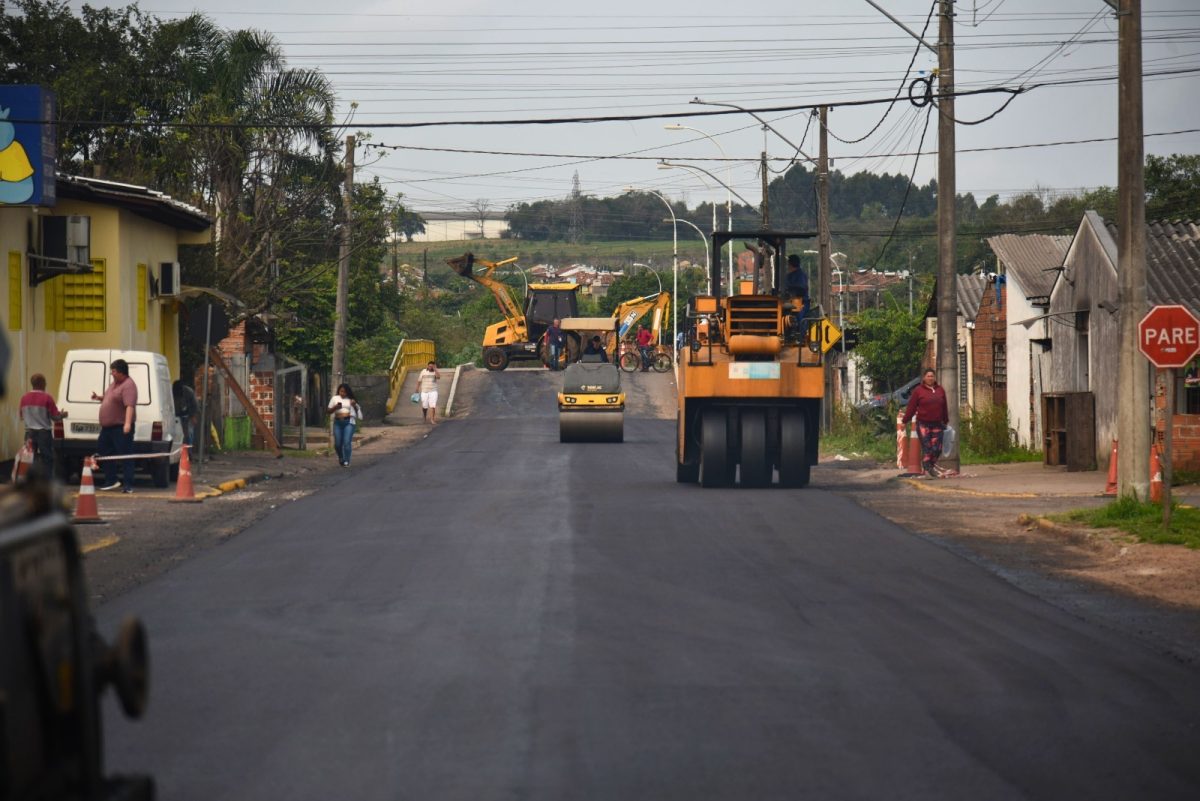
[465, 264]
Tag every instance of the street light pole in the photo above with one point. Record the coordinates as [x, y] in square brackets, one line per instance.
[674, 262]
[707, 255]
[728, 191]
[664, 164]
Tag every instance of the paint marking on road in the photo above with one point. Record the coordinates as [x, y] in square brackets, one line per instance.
[103, 542]
[246, 495]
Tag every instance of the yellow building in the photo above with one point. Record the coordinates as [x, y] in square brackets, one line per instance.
[98, 270]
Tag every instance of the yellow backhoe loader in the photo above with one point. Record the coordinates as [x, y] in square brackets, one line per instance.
[518, 336]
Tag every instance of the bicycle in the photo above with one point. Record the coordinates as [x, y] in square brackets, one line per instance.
[630, 359]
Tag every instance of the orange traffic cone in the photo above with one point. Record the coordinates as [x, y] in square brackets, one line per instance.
[908, 448]
[23, 463]
[1111, 487]
[86, 510]
[1156, 476]
[184, 492]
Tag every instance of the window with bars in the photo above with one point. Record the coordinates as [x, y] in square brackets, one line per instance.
[999, 365]
[76, 302]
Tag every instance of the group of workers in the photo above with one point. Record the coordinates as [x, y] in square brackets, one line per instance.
[556, 340]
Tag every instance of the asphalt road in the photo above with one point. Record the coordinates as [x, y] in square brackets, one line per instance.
[491, 614]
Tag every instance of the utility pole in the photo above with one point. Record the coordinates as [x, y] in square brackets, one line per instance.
[947, 301]
[825, 251]
[343, 287]
[1133, 374]
[766, 206]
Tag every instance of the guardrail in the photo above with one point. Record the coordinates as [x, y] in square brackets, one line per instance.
[409, 353]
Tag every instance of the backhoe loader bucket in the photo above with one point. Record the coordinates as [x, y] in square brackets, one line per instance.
[464, 265]
[591, 406]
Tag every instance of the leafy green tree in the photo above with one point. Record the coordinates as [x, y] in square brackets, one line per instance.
[1173, 187]
[890, 344]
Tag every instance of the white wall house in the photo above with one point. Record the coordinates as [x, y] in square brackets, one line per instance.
[1030, 264]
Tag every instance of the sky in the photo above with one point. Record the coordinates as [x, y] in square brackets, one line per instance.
[458, 61]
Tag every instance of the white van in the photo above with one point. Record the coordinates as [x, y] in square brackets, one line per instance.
[156, 429]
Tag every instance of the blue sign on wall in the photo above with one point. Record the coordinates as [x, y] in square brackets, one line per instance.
[27, 146]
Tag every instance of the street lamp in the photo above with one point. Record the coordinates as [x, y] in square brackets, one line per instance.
[651, 269]
[674, 260]
[704, 242]
[663, 164]
[728, 181]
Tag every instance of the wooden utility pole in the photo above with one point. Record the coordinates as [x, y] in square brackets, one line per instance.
[947, 300]
[1133, 376]
[825, 250]
[343, 286]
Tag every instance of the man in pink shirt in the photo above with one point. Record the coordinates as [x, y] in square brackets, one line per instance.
[118, 409]
[38, 413]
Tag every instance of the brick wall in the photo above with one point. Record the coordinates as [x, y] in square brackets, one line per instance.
[1185, 431]
[262, 395]
[990, 334]
[235, 343]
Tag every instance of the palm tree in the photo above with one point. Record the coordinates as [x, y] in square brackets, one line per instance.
[265, 152]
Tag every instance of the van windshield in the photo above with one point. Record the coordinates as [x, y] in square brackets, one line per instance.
[86, 377]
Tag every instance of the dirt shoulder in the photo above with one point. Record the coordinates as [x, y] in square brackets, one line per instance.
[1151, 591]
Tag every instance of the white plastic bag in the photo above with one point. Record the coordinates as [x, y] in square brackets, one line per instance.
[949, 442]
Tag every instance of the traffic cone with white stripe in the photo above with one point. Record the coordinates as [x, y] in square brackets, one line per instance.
[86, 510]
[184, 492]
[23, 463]
[1111, 487]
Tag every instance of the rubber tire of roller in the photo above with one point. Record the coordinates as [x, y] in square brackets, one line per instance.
[715, 454]
[755, 467]
[794, 469]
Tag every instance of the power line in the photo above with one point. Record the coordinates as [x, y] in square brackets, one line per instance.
[632, 157]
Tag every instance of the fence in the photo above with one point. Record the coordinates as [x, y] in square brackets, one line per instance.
[409, 353]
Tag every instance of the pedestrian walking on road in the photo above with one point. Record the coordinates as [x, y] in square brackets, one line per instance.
[346, 414]
[427, 385]
[927, 404]
[39, 413]
[555, 340]
[118, 411]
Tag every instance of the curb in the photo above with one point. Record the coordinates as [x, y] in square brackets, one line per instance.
[1078, 535]
[448, 411]
[239, 482]
[925, 486]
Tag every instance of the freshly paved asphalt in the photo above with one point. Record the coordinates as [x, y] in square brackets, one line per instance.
[494, 615]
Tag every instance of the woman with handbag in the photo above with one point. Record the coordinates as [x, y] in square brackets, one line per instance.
[346, 414]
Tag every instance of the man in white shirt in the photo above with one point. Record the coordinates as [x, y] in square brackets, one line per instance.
[427, 385]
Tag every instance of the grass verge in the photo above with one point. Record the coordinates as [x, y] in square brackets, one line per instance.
[1141, 519]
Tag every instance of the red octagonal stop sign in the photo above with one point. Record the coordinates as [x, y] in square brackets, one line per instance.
[1169, 336]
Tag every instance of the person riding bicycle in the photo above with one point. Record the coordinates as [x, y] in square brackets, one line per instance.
[644, 340]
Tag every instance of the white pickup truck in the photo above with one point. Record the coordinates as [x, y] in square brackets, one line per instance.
[156, 429]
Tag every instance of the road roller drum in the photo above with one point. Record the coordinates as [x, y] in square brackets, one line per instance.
[591, 406]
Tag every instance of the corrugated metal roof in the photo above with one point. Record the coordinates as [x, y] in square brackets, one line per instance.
[970, 295]
[1032, 259]
[1172, 263]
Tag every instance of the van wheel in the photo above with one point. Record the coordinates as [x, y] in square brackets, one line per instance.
[160, 473]
[174, 472]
